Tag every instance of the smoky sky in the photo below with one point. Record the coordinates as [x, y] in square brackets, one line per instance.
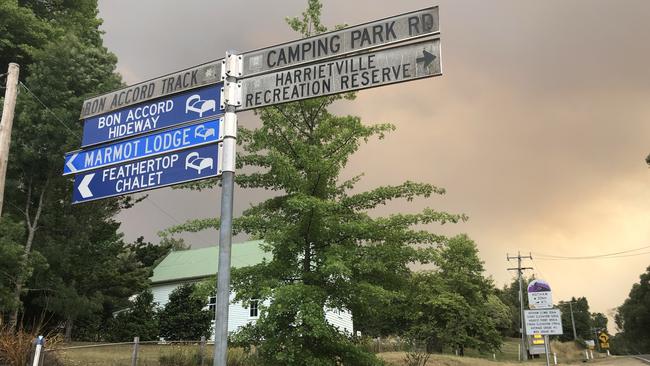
[538, 127]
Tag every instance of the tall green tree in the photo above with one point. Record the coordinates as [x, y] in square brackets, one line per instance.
[184, 317]
[509, 295]
[72, 263]
[22, 33]
[321, 234]
[455, 306]
[581, 316]
[633, 317]
[139, 319]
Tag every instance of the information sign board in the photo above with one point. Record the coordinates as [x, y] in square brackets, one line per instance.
[367, 70]
[141, 175]
[539, 295]
[153, 115]
[144, 146]
[544, 321]
[205, 74]
[344, 41]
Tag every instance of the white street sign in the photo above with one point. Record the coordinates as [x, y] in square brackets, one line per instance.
[367, 70]
[540, 300]
[539, 295]
[205, 74]
[544, 322]
[344, 41]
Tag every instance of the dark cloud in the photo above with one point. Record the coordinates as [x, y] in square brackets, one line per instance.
[538, 127]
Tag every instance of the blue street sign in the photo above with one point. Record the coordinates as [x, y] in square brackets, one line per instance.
[150, 173]
[153, 115]
[143, 147]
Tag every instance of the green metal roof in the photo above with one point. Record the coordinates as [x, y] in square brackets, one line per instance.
[203, 262]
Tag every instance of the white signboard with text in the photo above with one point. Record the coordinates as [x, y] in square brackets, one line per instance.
[544, 322]
[539, 295]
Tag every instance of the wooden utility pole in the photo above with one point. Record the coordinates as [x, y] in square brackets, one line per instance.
[522, 329]
[11, 92]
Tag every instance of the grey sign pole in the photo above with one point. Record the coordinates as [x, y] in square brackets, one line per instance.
[231, 99]
[546, 350]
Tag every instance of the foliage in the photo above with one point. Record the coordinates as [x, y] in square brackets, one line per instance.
[22, 33]
[582, 318]
[139, 319]
[599, 321]
[182, 356]
[11, 234]
[73, 265]
[16, 345]
[149, 254]
[633, 317]
[452, 306]
[184, 316]
[328, 250]
[509, 295]
[417, 358]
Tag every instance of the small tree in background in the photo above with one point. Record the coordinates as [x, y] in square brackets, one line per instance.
[633, 317]
[184, 317]
[454, 306]
[140, 319]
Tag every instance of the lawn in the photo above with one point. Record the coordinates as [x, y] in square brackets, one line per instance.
[120, 355]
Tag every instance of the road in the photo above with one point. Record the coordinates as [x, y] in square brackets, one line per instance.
[645, 358]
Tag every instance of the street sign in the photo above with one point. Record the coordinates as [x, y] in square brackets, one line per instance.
[544, 322]
[153, 115]
[366, 36]
[142, 147]
[539, 295]
[367, 70]
[603, 339]
[141, 175]
[205, 74]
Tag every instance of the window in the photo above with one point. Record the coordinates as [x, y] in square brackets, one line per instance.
[212, 303]
[253, 312]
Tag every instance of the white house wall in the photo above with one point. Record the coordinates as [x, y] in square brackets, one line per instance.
[238, 315]
[341, 319]
[161, 293]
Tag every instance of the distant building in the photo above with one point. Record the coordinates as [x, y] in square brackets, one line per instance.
[195, 265]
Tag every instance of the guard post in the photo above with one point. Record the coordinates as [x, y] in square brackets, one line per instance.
[231, 94]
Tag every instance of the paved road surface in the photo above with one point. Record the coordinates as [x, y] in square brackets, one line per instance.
[645, 358]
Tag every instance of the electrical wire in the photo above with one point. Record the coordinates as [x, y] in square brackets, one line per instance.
[608, 255]
[49, 110]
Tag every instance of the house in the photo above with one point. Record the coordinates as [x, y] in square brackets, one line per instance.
[195, 265]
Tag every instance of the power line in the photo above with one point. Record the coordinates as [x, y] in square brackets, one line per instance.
[598, 256]
[49, 110]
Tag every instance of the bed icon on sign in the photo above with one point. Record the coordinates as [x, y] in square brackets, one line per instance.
[203, 132]
[195, 104]
[196, 162]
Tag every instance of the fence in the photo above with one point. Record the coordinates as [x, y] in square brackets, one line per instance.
[141, 353]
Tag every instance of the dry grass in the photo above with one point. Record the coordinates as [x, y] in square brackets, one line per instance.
[16, 346]
[397, 359]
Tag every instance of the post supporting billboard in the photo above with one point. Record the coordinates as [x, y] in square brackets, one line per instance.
[230, 100]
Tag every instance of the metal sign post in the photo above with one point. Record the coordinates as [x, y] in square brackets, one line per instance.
[231, 99]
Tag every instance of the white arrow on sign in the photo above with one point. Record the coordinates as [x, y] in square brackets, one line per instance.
[83, 186]
[69, 163]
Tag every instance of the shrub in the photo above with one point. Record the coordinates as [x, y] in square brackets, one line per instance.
[17, 346]
[183, 317]
[139, 320]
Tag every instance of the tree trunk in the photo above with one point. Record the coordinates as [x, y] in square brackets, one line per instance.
[32, 225]
[69, 322]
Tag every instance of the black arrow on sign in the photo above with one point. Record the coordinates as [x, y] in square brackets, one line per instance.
[427, 57]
